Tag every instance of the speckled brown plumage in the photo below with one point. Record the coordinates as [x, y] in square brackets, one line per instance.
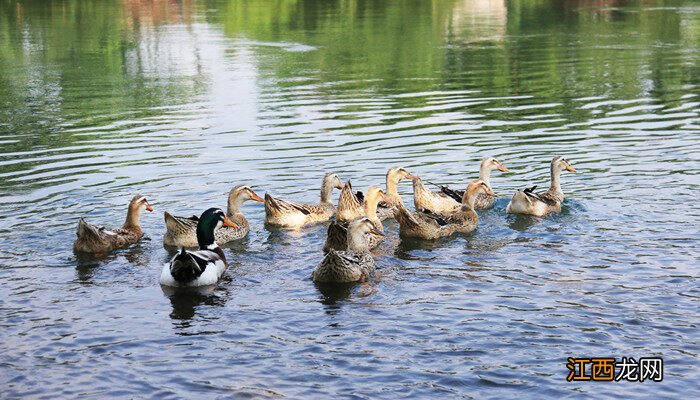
[100, 240]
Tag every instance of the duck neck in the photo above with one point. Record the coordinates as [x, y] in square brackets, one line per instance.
[357, 243]
[371, 208]
[485, 173]
[554, 185]
[468, 201]
[205, 236]
[234, 206]
[391, 185]
[133, 217]
[326, 192]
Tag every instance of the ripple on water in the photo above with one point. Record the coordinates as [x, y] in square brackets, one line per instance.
[496, 311]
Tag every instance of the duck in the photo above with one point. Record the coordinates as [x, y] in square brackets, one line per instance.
[387, 208]
[430, 225]
[354, 264]
[288, 214]
[202, 267]
[450, 200]
[350, 204]
[182, 231]
[99, 240]
[541, 204]
[338, 229]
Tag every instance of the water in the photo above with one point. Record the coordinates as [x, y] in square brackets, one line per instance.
[182, 100]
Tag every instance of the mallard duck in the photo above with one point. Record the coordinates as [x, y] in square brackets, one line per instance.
[392, 199]
[204, 266]
[337, 238]
[289, 214]
[540, 204]
[100, 241]
[449, 200]
[353, 265]
[429, 225]
[182, 231]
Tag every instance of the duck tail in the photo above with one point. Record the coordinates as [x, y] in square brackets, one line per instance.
[530, 193]
[86, 230]
[348, 204]
[271, 205]
[521, 195]
[405, 218]
[184, 267]
[171, 222]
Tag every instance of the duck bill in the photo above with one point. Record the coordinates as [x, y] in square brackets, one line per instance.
[503, 168]
[255, 197]
[229, 223]
[339, 186]
[377, 232]
[570, 169]
[149, 208]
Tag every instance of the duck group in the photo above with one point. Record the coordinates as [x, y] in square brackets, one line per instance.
[355, 223]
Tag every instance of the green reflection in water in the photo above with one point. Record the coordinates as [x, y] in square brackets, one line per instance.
[88, 63]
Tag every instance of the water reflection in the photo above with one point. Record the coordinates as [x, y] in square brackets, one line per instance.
[137, 257]
[475, 21]
[332, 293]
[186, 301]
[521, 222]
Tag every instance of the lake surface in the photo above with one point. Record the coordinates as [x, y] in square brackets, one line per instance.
[181, 100]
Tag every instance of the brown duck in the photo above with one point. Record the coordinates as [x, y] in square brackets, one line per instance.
[100, 240]
[338, 230]
[429, 225]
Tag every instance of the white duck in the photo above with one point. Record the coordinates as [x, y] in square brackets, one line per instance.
[540, 204]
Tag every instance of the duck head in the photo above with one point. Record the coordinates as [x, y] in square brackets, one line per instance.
[374, 195]
[211, 220]
[491, 163]
[239, 195]
[397, 174]
[137, 204]
[560, 163]
[140, 203]
[358, 234]
[393, 177]
[473, 188]
[330, 181]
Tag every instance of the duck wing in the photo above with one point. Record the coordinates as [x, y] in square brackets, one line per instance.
[548, 198]
[187, 266]
[454, 194]
[174, 223]
[279, 206]
[95, 234]
[417, 220]
[441, 220]
[544, 197]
